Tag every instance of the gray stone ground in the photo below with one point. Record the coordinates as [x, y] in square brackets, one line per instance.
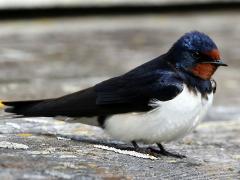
[51, 57]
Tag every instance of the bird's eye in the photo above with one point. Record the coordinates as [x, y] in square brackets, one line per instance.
[196, 55]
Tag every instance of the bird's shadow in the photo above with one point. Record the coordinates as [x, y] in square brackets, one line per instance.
[121, 146]
[105, 142]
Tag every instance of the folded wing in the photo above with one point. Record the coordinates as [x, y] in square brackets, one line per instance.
[130, 92]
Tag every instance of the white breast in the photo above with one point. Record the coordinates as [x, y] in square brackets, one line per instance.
[169, 121]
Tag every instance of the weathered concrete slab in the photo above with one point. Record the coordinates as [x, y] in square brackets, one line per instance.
[209, 155]
[48, 58]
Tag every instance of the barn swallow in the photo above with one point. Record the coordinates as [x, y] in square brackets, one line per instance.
[157, 102]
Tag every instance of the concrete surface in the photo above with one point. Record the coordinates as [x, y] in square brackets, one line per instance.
[209, 156]
[51, 57]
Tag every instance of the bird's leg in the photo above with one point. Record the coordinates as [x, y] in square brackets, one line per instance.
[140, 150]
[135, 145]
[164, 152]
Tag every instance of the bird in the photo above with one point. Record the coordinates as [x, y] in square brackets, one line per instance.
[157, 102]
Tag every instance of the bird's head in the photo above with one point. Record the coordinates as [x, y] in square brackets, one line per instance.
[197, 54]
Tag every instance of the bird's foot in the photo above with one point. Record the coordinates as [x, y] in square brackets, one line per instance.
[142, 150]
[158, 153]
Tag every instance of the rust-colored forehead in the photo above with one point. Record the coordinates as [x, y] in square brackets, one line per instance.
[214, 54]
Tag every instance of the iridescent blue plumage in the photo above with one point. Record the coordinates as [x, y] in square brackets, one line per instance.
[192, 49]
[195, 41]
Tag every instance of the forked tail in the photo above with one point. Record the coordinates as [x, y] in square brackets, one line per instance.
[19, 107]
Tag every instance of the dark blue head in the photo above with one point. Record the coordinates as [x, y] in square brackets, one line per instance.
[196, 53]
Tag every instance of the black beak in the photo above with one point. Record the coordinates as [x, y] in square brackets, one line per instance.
[218, 63]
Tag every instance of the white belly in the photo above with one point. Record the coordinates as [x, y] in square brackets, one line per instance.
[170, 120]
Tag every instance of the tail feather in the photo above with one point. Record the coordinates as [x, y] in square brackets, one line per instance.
[79, 104]
[19, 107]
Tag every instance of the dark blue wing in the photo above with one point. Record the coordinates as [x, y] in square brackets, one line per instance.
[139, 88]
[130, 92]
